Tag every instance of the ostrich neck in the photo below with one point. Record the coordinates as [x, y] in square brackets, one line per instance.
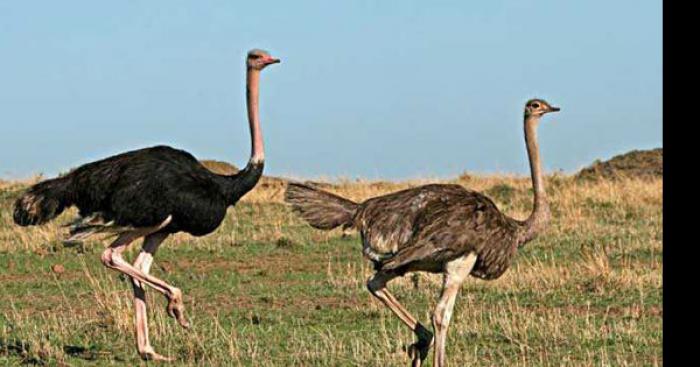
[257, 154]
[236, 185]
[539, 217]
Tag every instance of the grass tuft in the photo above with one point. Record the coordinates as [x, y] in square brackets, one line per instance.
[265, 289]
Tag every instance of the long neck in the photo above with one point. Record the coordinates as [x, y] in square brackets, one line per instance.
[237, 185]
[539, 217]
[257, 153]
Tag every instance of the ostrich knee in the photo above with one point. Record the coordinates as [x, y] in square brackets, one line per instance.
[375, 284]
[107, 258]
[438, 318]
[111, 259]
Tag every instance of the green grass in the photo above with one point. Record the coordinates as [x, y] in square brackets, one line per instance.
[267, 290]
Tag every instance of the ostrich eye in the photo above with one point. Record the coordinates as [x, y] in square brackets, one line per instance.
[535, 105]
[254, 56]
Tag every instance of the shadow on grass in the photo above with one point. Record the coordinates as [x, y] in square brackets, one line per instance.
[28, 354]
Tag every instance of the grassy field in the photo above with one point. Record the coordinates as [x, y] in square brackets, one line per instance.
[267, 290]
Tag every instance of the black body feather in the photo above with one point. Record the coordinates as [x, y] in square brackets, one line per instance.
[141, 188]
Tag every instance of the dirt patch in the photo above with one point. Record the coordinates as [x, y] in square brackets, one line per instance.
[277, 263]
[288, 302]
[637, 163]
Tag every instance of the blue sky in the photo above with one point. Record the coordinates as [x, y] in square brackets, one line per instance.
[390, 89]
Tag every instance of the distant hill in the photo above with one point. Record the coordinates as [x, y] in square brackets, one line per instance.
[225, 168]
[222, 168]
[637, 163]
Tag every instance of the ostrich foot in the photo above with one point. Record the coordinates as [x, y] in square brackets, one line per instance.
[176, 309]
[148, 354]
[418, 351]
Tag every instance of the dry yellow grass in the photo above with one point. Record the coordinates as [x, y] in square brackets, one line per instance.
[587, 293]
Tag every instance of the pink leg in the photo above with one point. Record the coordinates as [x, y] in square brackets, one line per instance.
[455, 274]
[112, 258]
[143, 262]
[419, 350]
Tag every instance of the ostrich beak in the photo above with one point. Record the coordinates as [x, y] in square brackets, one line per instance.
[554, 109]
[274, 61]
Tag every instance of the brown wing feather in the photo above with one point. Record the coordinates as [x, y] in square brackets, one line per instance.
[387, 222]
[421, 228]
[440, 223]
[319, 208]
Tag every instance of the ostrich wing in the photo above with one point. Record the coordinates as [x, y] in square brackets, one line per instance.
[449, 228]
[388, 222]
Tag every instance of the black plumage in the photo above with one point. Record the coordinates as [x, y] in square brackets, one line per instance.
[149, 193]
[434, 228]
[141, 188]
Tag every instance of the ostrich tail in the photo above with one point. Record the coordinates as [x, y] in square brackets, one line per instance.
[319, 208]
[42, 202]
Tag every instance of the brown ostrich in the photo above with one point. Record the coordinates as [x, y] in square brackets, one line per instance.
[434, 228]
[150, 193]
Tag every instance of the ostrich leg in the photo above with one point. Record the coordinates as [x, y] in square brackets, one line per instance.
[455, 274]
[419, 350]
[112, 258]
[143, 262]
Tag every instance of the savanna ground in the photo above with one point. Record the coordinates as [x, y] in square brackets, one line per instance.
[267, 290]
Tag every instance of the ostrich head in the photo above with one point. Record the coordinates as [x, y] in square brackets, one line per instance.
[258, 59]
[537, 107]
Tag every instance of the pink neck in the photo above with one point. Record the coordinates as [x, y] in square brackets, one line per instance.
[257, 154]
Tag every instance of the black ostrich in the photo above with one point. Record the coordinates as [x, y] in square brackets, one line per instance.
[433, 228]
[150, 193]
